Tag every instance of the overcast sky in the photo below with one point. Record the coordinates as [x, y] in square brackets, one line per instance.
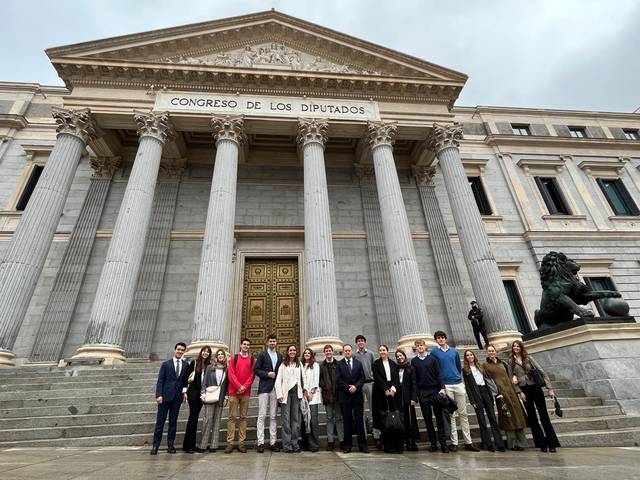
[577, 54]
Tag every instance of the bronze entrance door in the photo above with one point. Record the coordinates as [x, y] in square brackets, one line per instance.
[270, 302]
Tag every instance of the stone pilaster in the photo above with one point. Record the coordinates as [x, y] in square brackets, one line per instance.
[444, 257]
[213, 296]
[141, 325]
[413, 321]
[319, 265]
[27, 251]
[116, 287]
[481, 264]
[61, 304]
[386, 317]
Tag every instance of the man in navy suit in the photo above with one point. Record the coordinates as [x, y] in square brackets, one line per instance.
[171, 392]
[350, 380]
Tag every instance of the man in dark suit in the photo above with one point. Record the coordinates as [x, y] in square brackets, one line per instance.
[171, 392]
[266, 369]
[350, 380]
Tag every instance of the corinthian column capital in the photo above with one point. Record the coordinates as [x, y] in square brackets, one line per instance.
[445, 136]
[78, 123]
[227, 127]
[311, 130]
[381, 133]
[154, 125]
[423, 174]
[104, 167]
[364, 173]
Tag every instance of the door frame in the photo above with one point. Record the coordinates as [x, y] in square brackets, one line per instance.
[254, 251]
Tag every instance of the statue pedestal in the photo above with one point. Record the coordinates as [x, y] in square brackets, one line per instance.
[601, 355]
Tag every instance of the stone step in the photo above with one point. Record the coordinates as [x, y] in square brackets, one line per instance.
[55, 372]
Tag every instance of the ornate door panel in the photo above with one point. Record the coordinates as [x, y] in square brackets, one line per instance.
[270, 302]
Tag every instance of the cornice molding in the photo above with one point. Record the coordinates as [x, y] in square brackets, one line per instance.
[8, 120]
[498, 140]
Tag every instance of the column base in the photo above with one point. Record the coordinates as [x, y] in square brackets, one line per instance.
[407, 343]
[111, 354]
[193, 350]
[7, 359]
[503, 340]
[317, 344]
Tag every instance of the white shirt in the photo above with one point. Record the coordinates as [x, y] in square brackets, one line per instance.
[387, 372]
[477, 375]
[401, 373]
[219, 373]
[311, 383]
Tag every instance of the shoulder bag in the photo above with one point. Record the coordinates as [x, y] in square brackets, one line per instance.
[212, 393]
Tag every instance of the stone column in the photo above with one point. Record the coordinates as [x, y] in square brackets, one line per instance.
[213, 296]
[27, 251]
[117, 284]
[481, 264]
[403, 266]
[319, 265]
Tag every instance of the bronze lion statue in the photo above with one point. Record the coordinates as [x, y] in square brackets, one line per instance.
[563, 292]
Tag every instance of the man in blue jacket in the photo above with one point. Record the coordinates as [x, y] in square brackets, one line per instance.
[171, 392]
[266, 369]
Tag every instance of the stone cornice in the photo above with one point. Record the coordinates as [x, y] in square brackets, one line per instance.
[543, 112]
[311, 130]
[559, 142]
[8, 120]
[154, 125]
[381, 133]
[78, 123]
[445, 136]
[228, 127]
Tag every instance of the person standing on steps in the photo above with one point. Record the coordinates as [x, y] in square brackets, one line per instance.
[170, 394]
[312, 395]
[195, 372]
[329, 389]
[476, 317]
[386, 398]
[449, 360]
[241, 377]
[406, 393]
[366, 358]
[267, 366]
[289, 393]
[350, 380]
[216, 375]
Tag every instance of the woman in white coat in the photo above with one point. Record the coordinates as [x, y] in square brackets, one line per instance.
[289, 394]
[312, 396]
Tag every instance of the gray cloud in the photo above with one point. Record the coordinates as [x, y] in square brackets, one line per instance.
[578, 54]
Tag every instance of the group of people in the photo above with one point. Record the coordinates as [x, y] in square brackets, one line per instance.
[439, 382]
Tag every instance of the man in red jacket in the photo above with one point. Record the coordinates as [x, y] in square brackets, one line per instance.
[240, 379]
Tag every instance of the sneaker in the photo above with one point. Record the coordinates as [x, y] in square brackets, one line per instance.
[260, 449]
[229, 449]
[471, 447]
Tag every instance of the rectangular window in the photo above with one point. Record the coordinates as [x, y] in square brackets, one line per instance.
[618, 196]
[578, 132]
[517, 308]
[552, 195]
[599, 284]
[631, 134]
[520, 129]
[481, 197]
[29, 187]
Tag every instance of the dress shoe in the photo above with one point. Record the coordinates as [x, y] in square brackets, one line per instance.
[242, 448]
[229, 449]
[212, 450]
[190, 451]
[171, 450]
[154, 451]
[491, 449]
[501, 449]
[297, 450]
[444, 449]
[519, 449]
[413, 447]
[364, 450]
[453, 448]
[274, 448]
[470, 447]
[330, 446]
[200, 450]
[553, 450]
[543, 449]
[260, 449]
[346, 450]
[433, 448]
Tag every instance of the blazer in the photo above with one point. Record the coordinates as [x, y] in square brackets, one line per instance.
[210, 381]
[262, 369]
[193, 388]
[344, 378]
[168, 386]
[408, 389]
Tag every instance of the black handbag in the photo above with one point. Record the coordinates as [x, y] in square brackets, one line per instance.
[536, 376]
[557, 406]
[392, 422]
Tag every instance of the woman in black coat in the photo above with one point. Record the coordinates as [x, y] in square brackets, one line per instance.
[386, 398]
[407, 392]
[197, 368]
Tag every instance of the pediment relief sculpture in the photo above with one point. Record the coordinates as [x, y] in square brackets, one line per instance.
[271, 56]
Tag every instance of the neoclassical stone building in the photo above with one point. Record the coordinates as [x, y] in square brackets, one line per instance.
[264, 174]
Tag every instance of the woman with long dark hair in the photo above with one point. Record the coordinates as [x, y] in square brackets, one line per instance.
[481, 390]
[312, 395]
[215, 376]
[386, 385]
[529, 376]
[194, 378]
[407, 387]
[289, 393]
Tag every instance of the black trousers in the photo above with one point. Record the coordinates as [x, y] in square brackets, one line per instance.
[480, 330]
[353, 410]
[536, 402]
[430, 408]
[172, 409]
[189, 443]
[485, 411]
[411, 431]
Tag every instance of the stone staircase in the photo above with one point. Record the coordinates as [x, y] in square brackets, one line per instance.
[114, 406]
